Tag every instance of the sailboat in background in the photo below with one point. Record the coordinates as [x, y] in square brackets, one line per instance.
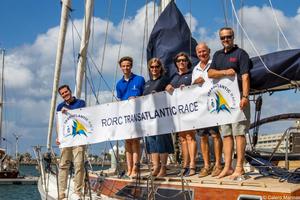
[8, 166]
[109, 184]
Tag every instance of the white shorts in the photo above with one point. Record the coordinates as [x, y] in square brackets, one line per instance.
[239, 128]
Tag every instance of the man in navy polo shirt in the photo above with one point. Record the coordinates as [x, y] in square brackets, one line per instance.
[130, 86]
[68, 154]
[229, 61]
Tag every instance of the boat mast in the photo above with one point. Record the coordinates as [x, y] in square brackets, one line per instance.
[86, 30]
[163, 5]
[2, 92]
[66, 5]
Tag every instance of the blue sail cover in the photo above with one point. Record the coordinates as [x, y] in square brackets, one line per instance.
[170, 36]
[285, 63]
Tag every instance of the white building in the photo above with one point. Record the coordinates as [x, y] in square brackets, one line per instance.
[268, 142]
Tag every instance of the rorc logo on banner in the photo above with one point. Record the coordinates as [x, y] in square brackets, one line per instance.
[77, 125]
[220, 99]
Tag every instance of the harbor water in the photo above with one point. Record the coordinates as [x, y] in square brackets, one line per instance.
[21, 192]
[24, 192]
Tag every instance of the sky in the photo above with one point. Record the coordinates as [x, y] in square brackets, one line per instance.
[29, 32]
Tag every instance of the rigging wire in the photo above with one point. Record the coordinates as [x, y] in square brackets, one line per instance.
[93, 53]
[75, 58]
[145, 36]
[93, 62]
[101, 75]
[74, 53]
[254, 48]
[278, 25]
[78, 56]
[224, 6]
[190, 23]
[234, 24]
[92, 50]
[119, 51]
[91, 83]
[154, 10]
[159, 8]
[242, 22]
[104, 45]
[93, 31]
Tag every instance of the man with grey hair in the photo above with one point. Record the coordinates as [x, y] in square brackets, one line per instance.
[200, 76]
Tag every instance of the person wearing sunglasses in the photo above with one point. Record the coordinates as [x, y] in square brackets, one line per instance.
[158, 146]
[200, 77]
[226, 62]
[182, 78]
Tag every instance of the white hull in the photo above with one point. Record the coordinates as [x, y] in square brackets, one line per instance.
[51, 188]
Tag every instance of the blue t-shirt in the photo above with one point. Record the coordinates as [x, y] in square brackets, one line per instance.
[76, 103]
[132, 88]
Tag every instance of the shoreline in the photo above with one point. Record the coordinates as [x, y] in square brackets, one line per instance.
[34, 163]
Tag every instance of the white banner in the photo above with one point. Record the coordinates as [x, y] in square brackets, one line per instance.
[192, 107]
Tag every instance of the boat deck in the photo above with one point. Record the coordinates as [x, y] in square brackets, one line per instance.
[208, 187]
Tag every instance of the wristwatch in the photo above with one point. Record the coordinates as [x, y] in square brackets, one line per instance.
[244, 96]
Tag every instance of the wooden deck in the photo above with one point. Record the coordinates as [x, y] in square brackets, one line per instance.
[207, 188]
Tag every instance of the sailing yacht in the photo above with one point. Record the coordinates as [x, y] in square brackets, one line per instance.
[111, 184]
[8, 166]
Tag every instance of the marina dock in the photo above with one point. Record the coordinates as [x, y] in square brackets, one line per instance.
[32, 180]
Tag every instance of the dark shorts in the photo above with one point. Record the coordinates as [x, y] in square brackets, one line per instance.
[159, 144]
[208, 131]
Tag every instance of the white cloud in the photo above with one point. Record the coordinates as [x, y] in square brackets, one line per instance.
[17, 72]
[260, 25]
[31, 112]
[191, 21]
[103, 97]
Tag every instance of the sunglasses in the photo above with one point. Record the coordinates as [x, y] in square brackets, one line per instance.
[154, 66]
[181, 60]
[228, 37]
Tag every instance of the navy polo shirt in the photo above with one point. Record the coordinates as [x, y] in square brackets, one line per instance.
[156, 85]
[183, 79]
[131, 88]
[236, 58]
[76, 103]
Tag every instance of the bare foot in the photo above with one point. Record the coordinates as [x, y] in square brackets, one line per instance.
[239, 171]
[134, 171]
[192, 172]
[162, 172]
[128, 173]
[225, 172]
[155, 171]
